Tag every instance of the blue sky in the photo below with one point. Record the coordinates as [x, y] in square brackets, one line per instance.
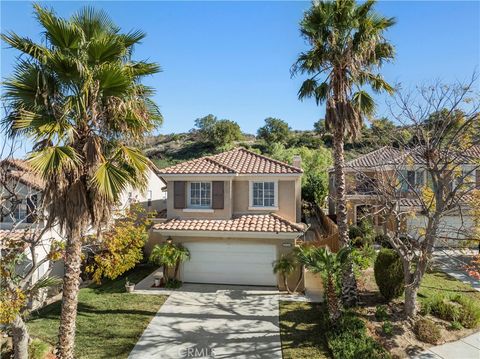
[232, 59]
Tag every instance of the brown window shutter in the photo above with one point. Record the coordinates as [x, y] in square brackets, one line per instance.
[217, 194]
[179, 194]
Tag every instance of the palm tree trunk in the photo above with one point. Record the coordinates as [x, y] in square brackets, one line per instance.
[333, 304]
[285, 283]
[71, 283]
[177, 266]
[349, 283]
[20, 338]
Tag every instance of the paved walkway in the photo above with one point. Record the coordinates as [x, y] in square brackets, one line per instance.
[452, 261]
[466, 348]
[213, 321]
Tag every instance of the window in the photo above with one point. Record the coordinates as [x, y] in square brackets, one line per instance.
[200, 194]
[411, 179]
[149, 198]
[263, 194]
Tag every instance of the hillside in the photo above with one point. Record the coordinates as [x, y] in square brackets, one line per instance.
[165, 150]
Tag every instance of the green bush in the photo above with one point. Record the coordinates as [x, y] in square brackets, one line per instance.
[381, 313]
[469, 315]
[427, 331]
[349, 340]
[355, 232]
[387, 328]
[382, 239]
[388, 270]
[38, 349]
[458, 308]
[456, 326]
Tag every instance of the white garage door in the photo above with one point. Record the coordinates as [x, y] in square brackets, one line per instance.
[230, 263]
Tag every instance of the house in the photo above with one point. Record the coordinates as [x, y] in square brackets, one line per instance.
[236, 212]
[21, 192]
[364, 178]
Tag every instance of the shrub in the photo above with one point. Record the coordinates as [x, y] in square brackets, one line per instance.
[355, 232]
[382, 239]
[427, 331]
[456, 326]
[38, 349]
[388, 272]
[387, 328]
[458, 308]
[469, 314]
[381, 313]
[349, 340]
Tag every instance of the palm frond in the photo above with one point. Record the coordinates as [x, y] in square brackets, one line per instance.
[53, 160]
[363, 103]
[60, 32]
[26, 45]
[110, 180]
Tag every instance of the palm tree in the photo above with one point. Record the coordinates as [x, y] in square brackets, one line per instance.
[347, 46]
[321, 260]
[169, 256]
[78, 96]
[285, 266]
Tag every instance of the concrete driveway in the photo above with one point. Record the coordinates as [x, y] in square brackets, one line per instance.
[207, 321]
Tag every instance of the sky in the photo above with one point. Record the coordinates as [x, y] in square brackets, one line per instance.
[233, 59]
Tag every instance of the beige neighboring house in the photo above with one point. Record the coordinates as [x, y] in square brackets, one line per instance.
[236, 212]
[365, 173]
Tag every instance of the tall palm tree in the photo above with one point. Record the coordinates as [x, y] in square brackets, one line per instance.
[347, 46]
[321, 260]
[78, 96]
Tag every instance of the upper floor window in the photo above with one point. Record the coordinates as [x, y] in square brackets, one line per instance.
[200, 194]
[263, 194]
[411, 179]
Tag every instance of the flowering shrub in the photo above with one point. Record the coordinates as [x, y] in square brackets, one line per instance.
[120, 248]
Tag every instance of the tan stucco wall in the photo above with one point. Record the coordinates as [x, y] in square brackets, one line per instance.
[225, 213]
[157, 238]
[288, 199]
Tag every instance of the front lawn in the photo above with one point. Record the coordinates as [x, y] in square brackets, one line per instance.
[303, 326]
[109, 321]
[302, 330]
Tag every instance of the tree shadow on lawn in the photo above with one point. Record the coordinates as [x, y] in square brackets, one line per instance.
[303, 325]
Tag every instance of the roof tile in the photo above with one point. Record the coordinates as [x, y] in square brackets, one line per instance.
[236, 161]
[246, 223]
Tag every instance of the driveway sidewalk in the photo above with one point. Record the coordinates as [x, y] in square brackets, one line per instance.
[452, 261]
[214, 321]
[466, 348]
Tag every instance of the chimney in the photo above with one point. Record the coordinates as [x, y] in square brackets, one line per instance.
[297, 161]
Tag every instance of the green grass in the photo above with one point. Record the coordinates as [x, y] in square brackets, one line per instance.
[109, 321]
[440, 283]
[302, 330]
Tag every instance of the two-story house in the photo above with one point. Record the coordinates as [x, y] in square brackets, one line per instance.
[365, 180]
[236, 212]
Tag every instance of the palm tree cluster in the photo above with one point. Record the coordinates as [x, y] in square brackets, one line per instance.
[78, 96]
[347, 47]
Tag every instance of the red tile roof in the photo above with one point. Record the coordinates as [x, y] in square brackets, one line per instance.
[388, 155]
[21, 171]
[236, 161]
[246, 223]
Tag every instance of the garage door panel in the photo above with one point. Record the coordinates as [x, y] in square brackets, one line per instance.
[230, 263]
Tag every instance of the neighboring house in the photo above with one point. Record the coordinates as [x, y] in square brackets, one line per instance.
[363, 180]
[236, 212]
[21, 192]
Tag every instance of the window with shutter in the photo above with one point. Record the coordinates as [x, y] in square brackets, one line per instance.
[179, 194]
[218, 194]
